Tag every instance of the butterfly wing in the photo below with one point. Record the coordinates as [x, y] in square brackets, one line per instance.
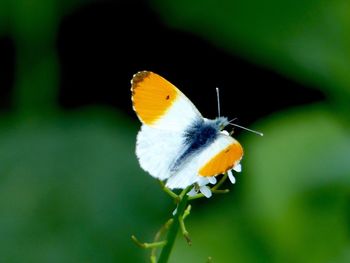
[166, 113]
[157, 149]
[221, 155]
[159, 104]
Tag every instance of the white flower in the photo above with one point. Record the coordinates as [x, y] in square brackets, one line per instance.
[231, 177]
[193, 192]
[212, 180]
[237, 168]
[202, 187]
[205, 190]
[175, 211]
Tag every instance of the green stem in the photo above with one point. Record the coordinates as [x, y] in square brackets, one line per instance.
[222, 180]
[161, 231]
[148, 245]
[174, 228]
[168, 191]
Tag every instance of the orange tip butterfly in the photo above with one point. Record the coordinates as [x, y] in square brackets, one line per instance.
[176, 143]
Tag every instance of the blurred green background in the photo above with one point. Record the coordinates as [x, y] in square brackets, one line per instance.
[71, 189]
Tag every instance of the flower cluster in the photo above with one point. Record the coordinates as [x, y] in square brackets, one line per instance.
[202, 184]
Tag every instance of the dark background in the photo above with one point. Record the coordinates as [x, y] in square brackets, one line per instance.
[102, 44]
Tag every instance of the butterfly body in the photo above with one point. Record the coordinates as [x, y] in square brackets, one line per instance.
[198, 136]
[175, 142]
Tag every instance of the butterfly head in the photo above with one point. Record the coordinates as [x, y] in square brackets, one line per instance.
[221, 122]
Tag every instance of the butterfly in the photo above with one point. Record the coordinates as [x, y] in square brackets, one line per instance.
[175, 142]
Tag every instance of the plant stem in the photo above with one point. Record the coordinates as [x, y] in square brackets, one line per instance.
[174, 228]
[168, 191]
[222, 180]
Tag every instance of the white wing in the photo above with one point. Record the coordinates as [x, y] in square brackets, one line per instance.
[157, 149]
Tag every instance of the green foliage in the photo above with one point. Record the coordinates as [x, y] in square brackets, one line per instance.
[295, 203]
[307, 40]
[294, 206]
[300, 176]
[71, 190]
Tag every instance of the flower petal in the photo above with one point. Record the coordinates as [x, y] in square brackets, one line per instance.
[205, 190]
[231, 177]
[212, 180]
[203, 181]
[193, 192]
[175, 211]
[238, 168]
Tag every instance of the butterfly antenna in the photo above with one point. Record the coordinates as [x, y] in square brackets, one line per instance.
[232, 120]
[218, 99]
[244, 128]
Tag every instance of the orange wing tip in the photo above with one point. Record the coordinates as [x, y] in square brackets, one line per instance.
[152, 96]
[223, 161]
[139, 77]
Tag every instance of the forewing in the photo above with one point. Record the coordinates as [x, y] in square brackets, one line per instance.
[159, 104]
